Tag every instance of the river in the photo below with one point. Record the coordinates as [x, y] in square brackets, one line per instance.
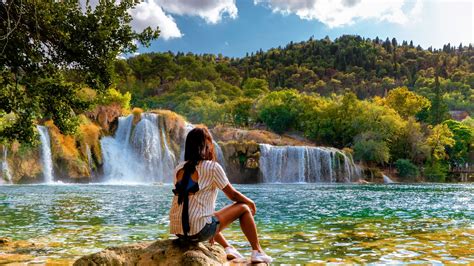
[298, 223]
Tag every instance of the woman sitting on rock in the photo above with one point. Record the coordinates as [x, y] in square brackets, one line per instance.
[197, 180]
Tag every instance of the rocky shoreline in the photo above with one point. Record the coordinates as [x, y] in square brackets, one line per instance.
[161, 252]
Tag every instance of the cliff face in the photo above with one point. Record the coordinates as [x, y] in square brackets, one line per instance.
[24, 163]
[241, 161]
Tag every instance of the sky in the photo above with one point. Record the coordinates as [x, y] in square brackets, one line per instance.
[234, 28]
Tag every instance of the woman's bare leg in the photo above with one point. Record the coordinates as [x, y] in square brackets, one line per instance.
[242, 212]
[219, 238]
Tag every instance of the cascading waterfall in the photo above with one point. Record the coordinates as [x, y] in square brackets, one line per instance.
[6, 174]
[120, 163]
[387, 180]
[293, 164]
[46, 159]
[151, 145]
[139, 154]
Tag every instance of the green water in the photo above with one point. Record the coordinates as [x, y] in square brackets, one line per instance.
[298, 223]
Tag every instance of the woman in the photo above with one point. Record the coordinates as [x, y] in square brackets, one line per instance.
[197, 180]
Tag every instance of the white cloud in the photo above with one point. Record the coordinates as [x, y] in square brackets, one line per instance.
[149, 14]
[212, 11]
[159, 13]
[336, 13]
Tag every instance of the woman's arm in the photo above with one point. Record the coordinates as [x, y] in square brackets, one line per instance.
[236, 196]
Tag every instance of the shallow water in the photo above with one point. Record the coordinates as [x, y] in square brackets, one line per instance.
[298, 223]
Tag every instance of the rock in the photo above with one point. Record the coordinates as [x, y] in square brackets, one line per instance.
[4, 241]
[161, 252]
[241, 161]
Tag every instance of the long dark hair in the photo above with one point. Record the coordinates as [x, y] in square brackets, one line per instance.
[198, 147]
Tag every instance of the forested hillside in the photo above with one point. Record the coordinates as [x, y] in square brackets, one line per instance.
[386, 101]
[350, 63]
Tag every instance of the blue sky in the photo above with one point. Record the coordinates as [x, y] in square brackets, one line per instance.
[234, 28]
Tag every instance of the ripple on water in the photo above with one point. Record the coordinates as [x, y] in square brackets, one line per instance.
[298, 223]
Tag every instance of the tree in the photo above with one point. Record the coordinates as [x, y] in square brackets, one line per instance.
[406, 170]
[438, 110]
[410, 143]
[254, 87]
[371, 149]
[405, 102]
[41, 41]
[278, 110]
[463, 137]
[241, 111]
[438, 140]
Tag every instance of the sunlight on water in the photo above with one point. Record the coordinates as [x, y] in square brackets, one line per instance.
[298, 223]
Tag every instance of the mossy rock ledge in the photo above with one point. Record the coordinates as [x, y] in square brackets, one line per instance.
[161, 252]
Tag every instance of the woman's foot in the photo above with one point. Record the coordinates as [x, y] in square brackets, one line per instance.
[232, 253]
[258, 257]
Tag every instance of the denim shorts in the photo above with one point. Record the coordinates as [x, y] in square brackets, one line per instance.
[206, 233]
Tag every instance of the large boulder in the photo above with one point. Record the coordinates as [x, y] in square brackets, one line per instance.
[161, 252]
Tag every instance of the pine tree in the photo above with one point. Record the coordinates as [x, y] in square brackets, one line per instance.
[438, 107]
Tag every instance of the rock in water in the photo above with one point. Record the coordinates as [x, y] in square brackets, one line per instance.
[161, 252]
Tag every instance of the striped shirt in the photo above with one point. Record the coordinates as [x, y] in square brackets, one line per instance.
[201, 204]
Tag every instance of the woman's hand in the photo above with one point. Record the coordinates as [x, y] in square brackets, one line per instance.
[236, 196]
[252, 206]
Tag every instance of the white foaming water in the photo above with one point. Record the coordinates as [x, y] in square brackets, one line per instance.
[46, 159]
[6, 174]
[120, 163]
[297, 164]
[387, 180]
[151, 147]
[138, 155]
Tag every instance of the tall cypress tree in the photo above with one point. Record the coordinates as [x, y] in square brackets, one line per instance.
[438, 107]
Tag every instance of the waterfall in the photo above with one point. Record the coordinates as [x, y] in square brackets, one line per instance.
[139, 154]
[120, 163]
[387, 180]
[46, 158]
[151, 145]
[293, 164]
[6, 174]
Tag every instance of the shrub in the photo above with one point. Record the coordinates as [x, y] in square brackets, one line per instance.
[278, 110]
[436, 171]
[406, 170]
[114, 96]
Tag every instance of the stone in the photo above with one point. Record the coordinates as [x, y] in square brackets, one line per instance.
[161, 252]
[4, 240]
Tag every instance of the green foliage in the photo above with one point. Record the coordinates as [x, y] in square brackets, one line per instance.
[436, 171]
[253, 88]
[50, 49]
[406, 170]
[405, 102]
[463, 137]
[368, 148]
[202, 110]
[410, 143]
[113, 96]
[438, 140]
[241, 111]
[278, 110]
